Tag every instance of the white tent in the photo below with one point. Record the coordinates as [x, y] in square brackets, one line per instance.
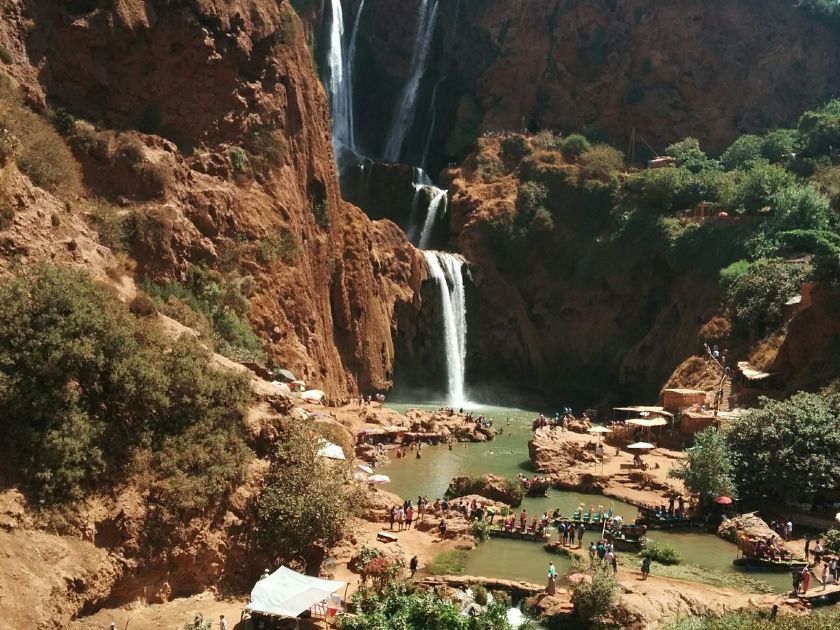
[330, 450]
[287, 593]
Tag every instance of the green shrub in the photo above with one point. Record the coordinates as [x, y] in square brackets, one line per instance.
[37, 148]
[515, 147]
[110, 225]
[6, 55]
[730, 274]
[269, 144]
[321, 210]
[601, 162]
[573, 146]
[663, 553]
[238, 160]
[757, 298]
[819, 130]
[690, 156]
[756, 187]
[283, 245]
[480, 594]
[740, 153]
[142, 305]
[199, 623]
[594, 599]
[799, 208]
[547, 141]
[306, 502]
[480, 530]
[83, 387]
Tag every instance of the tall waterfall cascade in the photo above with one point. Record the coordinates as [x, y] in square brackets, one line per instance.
[447, 271]
[407, 103]
[340, 61]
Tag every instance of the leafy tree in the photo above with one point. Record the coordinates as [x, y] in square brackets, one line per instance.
[798, 207]
[708, 469]
[757, 185]
[398, 608]
[593, 599]
[601, 162]
[779, 144]
[690, 156]
[573, 146]
[306, 504]
[730, 274]
[786, 449]
[819, 130]
[741, 152]
[757, 298]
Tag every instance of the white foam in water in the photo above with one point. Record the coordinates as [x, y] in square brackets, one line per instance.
[407, 103]
[447, 270]
[438, 201]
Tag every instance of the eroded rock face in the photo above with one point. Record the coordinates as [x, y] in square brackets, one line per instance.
[550, 453]
[712, 70]
[492, 487]
[204, 79]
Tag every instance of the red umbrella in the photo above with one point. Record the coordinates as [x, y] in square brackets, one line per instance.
[723, 501]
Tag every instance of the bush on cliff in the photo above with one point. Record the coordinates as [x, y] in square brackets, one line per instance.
[573, 146]
[84, 386]
[785, 450]
[307, 502]
[595, 598]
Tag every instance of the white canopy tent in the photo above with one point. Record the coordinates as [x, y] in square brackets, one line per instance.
[287, 593]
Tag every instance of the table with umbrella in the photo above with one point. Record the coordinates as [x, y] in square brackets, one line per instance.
[641, 447]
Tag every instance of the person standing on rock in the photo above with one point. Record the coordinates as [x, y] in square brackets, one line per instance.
[581, 528]
[592, 553]
[807, 548]
[412, 565]
[806, 580]
[392, 516]
[551, 588]
[409, 516]
[400, 519]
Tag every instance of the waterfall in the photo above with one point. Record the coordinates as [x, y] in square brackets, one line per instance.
[438, 200]
[408, 99]
[340, 61]
[433, 112]
[447, 270]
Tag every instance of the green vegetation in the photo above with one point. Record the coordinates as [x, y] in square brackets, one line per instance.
[784, 450]
[398, 607]
[321, 210]
[33, 144]
[573, 146]
[86, 389]
[594, 598]
[757, 621]
[282, 245]
[480, 530]
[6, 55]
[515, 148]
[477, 484]
[708, 469]
[663, 553]
[199, 623]
[306, 505]
[447, 563]
[238, 160]
[218, 302]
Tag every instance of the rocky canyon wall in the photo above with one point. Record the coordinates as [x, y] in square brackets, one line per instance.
[713, 69]
[197, 83]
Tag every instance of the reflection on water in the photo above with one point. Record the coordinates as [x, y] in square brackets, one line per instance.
[507, 455]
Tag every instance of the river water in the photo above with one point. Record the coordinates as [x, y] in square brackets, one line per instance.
[507, 455]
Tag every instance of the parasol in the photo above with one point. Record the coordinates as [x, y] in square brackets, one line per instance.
[723, 501]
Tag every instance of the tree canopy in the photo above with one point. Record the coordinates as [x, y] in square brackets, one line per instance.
[708, 469]
[787, 449]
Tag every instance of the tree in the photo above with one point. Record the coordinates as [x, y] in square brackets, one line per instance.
[397, 607]
[690, 156]
[757, 298]
[596, 597]
[786, 449]
[306, 504]
[744, 150]
[573, 146]
[708, 469]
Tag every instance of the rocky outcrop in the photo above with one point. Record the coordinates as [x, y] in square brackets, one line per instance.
[550, 453]
[490, 487]
[747, 524]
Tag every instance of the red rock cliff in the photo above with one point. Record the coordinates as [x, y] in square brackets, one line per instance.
[201, 78]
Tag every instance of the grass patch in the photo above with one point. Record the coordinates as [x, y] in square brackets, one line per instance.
[703, 575]
[283, 245]
[447, 563]
[663, 553]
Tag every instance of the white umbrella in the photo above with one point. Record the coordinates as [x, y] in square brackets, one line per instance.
[360, 476]
[599, 430]
[331, 451]
[364, 468]
[642, 446]
[379, 479]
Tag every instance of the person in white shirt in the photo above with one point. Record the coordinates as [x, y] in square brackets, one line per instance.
[222, 623]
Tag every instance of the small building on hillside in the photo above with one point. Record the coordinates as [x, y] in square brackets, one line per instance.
[675, 400]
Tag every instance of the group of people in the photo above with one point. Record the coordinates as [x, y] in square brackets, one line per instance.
[783, 528]
[535, 482]
[603, 553]
[365, 401]
[560, 420]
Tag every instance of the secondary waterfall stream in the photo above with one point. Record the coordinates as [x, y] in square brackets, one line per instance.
[446, 270]
[408, 99]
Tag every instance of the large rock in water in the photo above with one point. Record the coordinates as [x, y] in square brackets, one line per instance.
[748, 524]
[490, 487]
[551, 453]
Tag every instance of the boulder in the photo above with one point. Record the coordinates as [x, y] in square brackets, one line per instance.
[550, 453]
[748, 524]
[491, 487]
